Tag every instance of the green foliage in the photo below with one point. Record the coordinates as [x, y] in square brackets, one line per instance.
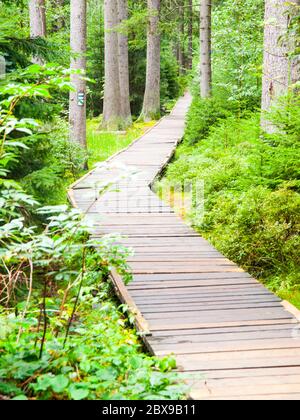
[50, 163]
[101, 360]
[95, 54]
[171, 87]
[15, 43]
[39, 155]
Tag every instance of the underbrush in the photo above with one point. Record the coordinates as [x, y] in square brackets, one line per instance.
[252, 184]
[62, 334]
[102, 145]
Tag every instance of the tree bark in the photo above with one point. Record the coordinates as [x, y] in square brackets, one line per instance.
[181, 60]
[151, 106]
[112, 98]
[278, 70]
[77, 107]
[205, 48]
[124, 65]
[37, 16]
[190, 35]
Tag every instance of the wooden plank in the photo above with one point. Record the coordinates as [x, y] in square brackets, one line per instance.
[177, 270]
[189, 319]
[250, 356]
[247, 374]
[218, 384]
[191, 276]
[288, 325]
[197, 297]
[187, 363]
[292, 309]
[220, 337]
[203, 291]
[273, 397]
[200, 308]
[186, 283]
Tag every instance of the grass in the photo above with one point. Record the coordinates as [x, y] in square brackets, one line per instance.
[103, 145]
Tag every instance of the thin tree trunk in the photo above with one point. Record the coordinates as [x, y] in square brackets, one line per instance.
[112, 98]
[181, 38]
[77, 108]
[37, 15]
[276, 63]
[190, 35]
[205, 48]
[60, 22]
[294, 63]
[151, 106]
[124, 64]
[278, 70]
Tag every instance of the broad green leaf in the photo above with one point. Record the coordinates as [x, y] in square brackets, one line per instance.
[78, 392]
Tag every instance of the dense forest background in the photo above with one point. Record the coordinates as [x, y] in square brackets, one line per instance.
[63, 335]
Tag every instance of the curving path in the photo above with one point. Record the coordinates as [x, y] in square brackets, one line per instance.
[235, 338]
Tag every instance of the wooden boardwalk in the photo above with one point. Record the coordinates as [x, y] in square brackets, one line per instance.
[239, 339]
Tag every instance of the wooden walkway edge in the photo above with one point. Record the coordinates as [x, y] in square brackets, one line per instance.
[233, 337]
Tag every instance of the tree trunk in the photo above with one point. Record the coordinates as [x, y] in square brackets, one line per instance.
[124, 65]
[77, 109]
[60, 21]
[112, 98]
[190, 35]
[37, 15]
[151, 106]
[205, 48]
[181, 60]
